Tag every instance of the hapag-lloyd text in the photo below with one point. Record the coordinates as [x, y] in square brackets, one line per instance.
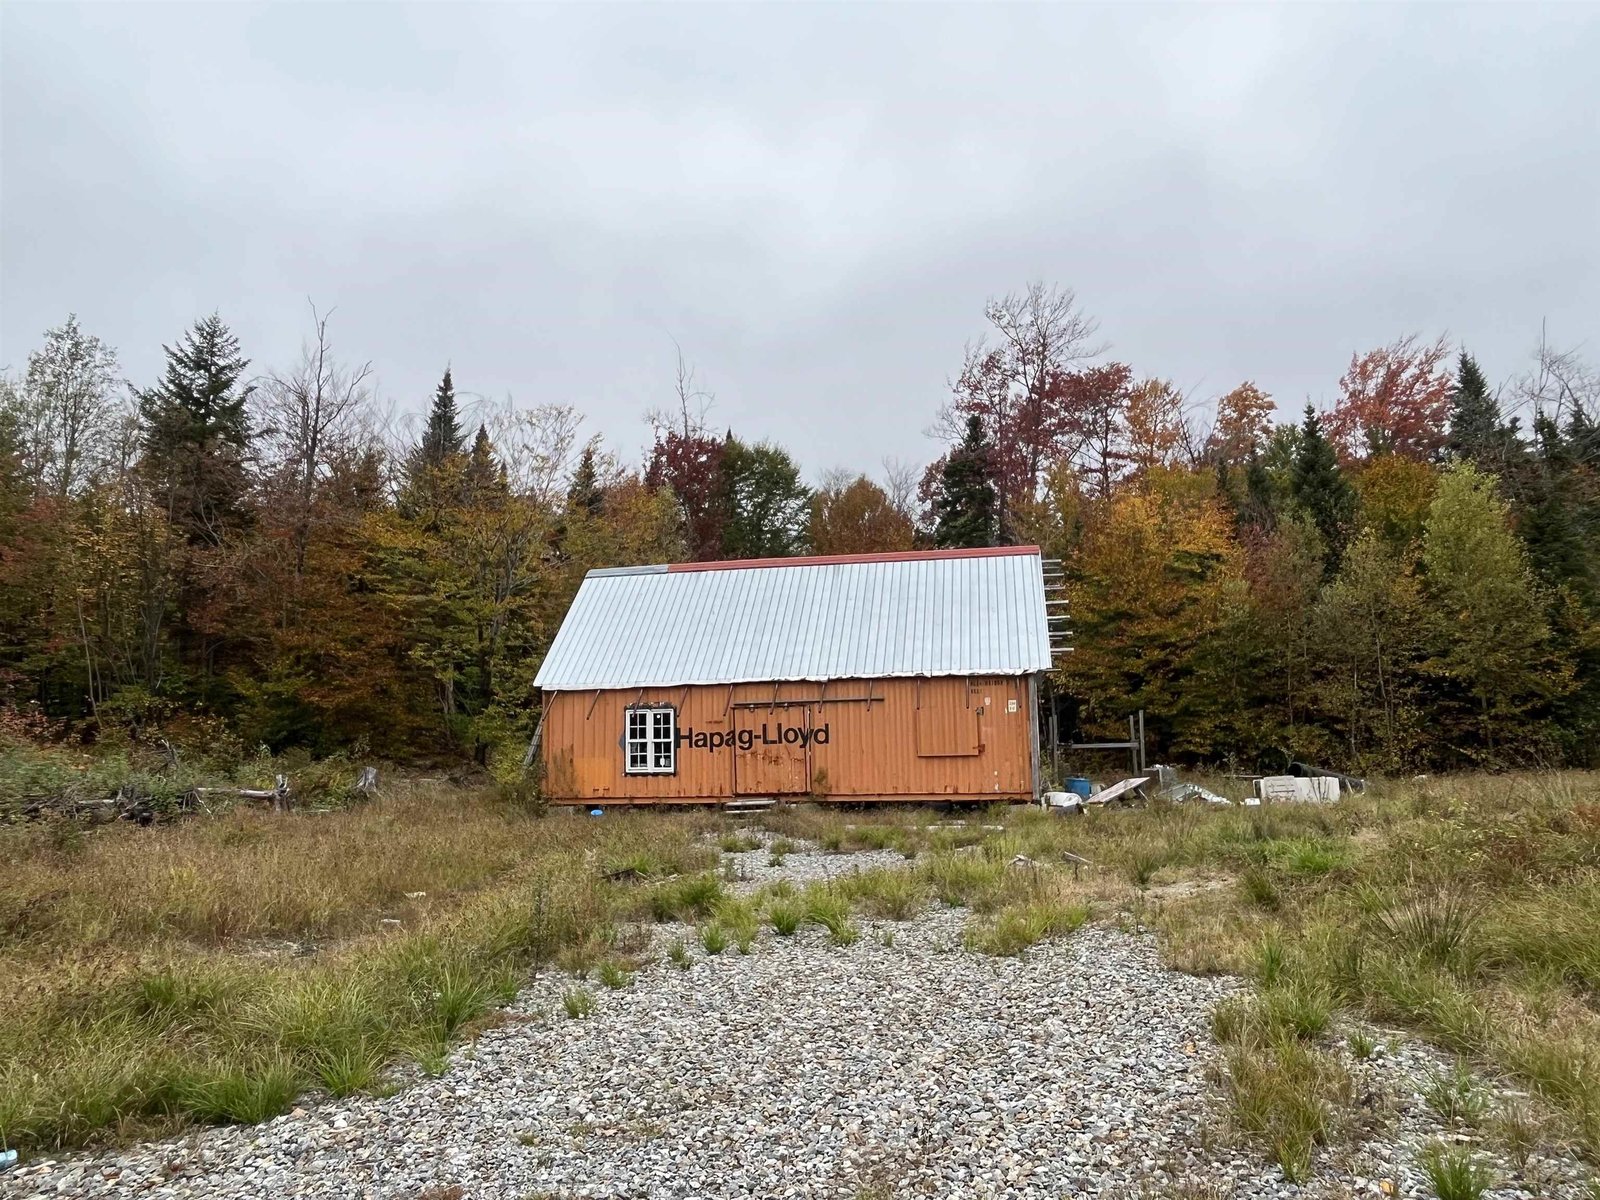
[749, 739]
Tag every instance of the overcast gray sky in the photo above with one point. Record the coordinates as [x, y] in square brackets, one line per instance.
[813, 200]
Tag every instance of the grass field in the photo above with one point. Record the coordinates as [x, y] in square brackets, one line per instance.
[213, 969]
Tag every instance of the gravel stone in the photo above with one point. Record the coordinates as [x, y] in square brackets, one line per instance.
[903, 1066]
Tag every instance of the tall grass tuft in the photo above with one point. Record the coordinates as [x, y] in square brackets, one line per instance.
[1438, 928]
[1288, 1096]
[685, 898]
[828, 907]
[1455, 1095]
[786, 916]
[888, 895]
[1455, 1174]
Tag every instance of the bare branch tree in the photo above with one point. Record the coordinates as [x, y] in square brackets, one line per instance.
[539, 447]
[1045, 332]
[1020, 388]
[313, 412]
[1561, 384]
[67, 415]
[900, 480]
[691, 403]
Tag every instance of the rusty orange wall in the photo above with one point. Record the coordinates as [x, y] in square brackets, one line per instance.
[871, 749]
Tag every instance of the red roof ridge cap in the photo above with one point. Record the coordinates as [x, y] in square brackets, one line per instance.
[823, 560]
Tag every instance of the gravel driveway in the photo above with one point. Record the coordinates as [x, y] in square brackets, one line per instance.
[900, 1065]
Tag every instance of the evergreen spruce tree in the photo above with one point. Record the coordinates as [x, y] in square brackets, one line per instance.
[964, 507]
[1257, 508]
[443, 436]
[1557, 519]
[1583, 439]
[485, 476]
[196, 432]
[432, 469]
[584, 494]
[1321, 489]
[1475, 431]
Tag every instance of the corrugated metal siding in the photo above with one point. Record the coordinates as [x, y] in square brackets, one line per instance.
[872, 750]
[970, 615]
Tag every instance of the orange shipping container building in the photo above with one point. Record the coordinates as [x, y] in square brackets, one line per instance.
[863, 677]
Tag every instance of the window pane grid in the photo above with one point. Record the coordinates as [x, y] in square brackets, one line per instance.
[651, 741]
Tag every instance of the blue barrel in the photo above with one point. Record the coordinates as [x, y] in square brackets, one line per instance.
[1079, 786]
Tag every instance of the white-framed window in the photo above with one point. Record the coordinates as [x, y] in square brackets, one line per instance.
[650, 741]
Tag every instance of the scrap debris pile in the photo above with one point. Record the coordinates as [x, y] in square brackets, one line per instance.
[1162, 785]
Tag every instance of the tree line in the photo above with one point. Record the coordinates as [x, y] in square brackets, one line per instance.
[1408, 580]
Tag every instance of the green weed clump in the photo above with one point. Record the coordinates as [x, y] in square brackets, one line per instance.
[578, 1003]
[1013, 929]
[1456, 1095]
[1439, 928]
[786, 916]
[689, 897]
[779, 849]
[740, 919]
[830, 908]
[1362, 1045]
[888, 895]
[1143, 867]
[1287, 1095]
[1456, 1174]
[966, 880]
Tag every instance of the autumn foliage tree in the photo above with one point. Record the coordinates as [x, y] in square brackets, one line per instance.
[689, 465]
[856, 516]
[1243, 425]
[1393, 400]
[1410, 581]
[1017, 389]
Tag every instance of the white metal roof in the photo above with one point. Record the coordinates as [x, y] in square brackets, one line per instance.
[863, 616]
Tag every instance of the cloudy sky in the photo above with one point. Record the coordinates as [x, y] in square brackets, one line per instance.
[812, 200]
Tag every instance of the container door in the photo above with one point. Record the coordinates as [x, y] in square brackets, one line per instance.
[777, 762]
[948, 722]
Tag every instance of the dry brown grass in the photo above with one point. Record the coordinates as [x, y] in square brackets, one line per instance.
[213, 969]
[254, 874]
[149, 978]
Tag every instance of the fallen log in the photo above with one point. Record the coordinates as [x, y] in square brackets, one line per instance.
[280, 796]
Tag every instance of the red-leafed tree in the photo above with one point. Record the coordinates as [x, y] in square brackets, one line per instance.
[1393, 400]
[690, 465]
[688, 461]
[1098, 400]
[1017, 388]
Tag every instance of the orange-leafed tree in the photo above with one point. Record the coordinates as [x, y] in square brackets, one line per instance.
[1157, 433]
[856, 516]
[1243, 426]
[1393, 400]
